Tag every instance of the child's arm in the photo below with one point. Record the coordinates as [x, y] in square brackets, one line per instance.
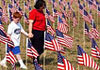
[25, 33]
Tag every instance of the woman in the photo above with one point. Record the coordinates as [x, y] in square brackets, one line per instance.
[37, 26]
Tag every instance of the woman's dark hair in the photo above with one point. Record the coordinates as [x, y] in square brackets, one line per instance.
[40, 3]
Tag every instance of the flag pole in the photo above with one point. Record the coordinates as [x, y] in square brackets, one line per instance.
[26, 49]
[77, 29]
[0, 45]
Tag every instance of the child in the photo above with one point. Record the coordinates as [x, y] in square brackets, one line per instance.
[14, 31]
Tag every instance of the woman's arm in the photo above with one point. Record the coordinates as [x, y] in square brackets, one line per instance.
[30, 28]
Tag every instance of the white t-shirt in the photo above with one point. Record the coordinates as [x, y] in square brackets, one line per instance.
[14, 30]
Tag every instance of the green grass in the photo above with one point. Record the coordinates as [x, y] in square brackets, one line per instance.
[49, 58]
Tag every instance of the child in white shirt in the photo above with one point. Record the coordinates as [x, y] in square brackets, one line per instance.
[14, 31]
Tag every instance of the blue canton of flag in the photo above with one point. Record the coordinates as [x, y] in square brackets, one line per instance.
[64, 39]
[37, 66]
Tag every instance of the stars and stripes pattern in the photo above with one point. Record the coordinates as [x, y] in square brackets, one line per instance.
[75, 22]
[61, 26]
[52, 44]
[31, 52]
[4, 37]
[49, 28]
[64, 39]
[63, 63]
[85, 59]
[10, 57]
[86, 17]
[94, 31]
[49, 16]
[95, 51]
[87, 31]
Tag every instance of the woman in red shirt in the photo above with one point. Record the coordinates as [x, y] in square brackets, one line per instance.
[37, 26]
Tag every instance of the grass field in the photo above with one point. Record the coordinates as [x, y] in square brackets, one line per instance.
[49, 58]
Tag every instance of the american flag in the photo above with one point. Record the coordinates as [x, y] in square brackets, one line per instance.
[87, 31]
[92, 5]
[49, 16]
[61, 26]
[37, 66]
[54, 3]
[31, 52]
[4, 15]
[1, 10]
[85, 59]
[90, 16]
[63, 63]
[0, 15]
[75, 22]
[63, 10]
[94, 31]
[81, 9]
[64, 39]
[70, 9]
[86, 17]
[95, 51]
[3, 3]
[26, 6]
[10, 10]
[98, 12]
[10, 57]
[62, 2]
[19, 9]
[55, 12]
[52, 44]
[4, 37]
[49, 28]
[64, 19]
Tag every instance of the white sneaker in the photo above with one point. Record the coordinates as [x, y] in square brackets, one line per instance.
[23, 67]
[3, 64]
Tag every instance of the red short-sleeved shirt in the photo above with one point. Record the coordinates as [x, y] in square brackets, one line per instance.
[39, 20]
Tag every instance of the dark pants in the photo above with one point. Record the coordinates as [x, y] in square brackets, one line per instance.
[38, 41]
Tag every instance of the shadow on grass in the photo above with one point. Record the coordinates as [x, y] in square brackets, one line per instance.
[47, 60]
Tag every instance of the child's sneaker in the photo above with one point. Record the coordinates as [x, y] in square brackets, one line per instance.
[23, 66]
[3, 64]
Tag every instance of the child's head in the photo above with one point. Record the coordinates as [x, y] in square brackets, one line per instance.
[16, 17]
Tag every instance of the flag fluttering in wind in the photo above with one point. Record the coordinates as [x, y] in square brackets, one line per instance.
[64, 39]
[31, 52]
[63, 63]
[4, 37]
[52, 44]
[85, 59]
[95, 51]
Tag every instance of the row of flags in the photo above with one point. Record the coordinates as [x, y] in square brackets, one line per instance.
[62, 62]
[53, 43]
